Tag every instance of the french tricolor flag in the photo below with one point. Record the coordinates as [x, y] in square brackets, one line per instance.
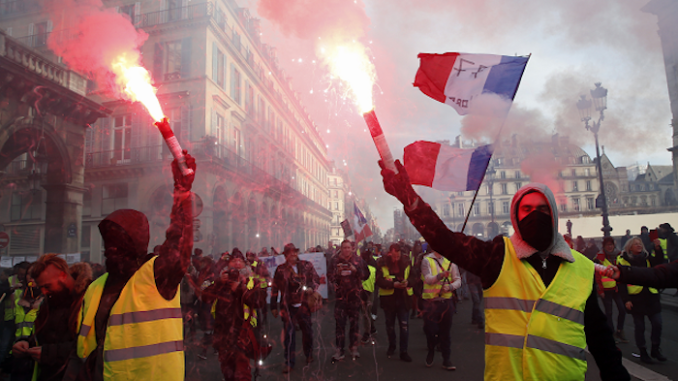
[446, 168]
[458, 79]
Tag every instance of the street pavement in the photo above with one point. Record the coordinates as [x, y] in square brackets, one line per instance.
[467, 353]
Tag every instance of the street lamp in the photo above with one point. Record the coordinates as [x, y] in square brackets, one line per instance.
[599, 97]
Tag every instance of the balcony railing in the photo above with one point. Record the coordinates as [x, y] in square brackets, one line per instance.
[35, 40]
[190, 12]
[120, 157]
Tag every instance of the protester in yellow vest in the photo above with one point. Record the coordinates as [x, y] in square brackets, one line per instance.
[136, 289]
[7, 288]
[541, 308]
[368, 295]
[234, 297]
[27, 304]
[441, 278]
[395, 297]
[263, 277]
[607, 289]
[643, 301]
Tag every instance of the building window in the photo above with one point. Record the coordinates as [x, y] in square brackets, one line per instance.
[220, 72]
[461, 211]
[653, 201]
[114, 197]
[575, 186]
[587, 171]
[26, 205]
[563, 207]
[504, 189]
[502, 174]
[490, 208]
[575, 204]
[235, 84]
[585, 159]
[87, 203]
[517, 174]
[588, 185]
[476, 209]
[221, 129]
[573, 172]
[505, 207]
[446, 210]
[488, 189]
[172, 60]
[122, 138]
[589, 203]
[518, 186]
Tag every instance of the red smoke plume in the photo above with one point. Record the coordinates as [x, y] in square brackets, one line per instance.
[89, 37]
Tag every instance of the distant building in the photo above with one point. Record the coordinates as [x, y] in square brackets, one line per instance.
[573, 179]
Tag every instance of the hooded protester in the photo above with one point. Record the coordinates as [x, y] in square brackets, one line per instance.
[111, 344]
[643, 301]
[532, 280]
[607, 289]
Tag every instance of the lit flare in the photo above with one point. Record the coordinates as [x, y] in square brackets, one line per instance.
[135, 83]
[351, 64]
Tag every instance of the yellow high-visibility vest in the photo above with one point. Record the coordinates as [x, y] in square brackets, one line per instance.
[663, 243]
[262, 281]
[144, 336]
[432, 291]
[632, 289]
[246, 308]
[368, 284]
[9, 299]
[533, 332]
[23, 321]
[608, 282]
[387, 275]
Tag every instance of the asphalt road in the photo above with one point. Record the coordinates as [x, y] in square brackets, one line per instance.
[467, 353]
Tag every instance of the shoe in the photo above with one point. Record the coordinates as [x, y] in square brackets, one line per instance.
[354, 353]
[338, 355]
[621, 337]
[405, 357]
[366, 339]
[657, 353]
[374, 317]
[644, 357]
[447, 365]
[429, 359]
[286, 369]
[390, 352]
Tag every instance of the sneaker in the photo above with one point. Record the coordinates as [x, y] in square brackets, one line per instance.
[390, 352]
[405, 357]
[657, 353]
[447, 365]
[429, 359]
[286, 369]
[354, 353]
[366, 339]
[338, 355]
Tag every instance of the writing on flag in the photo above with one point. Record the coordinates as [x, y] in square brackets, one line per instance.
[459, 79]
[361, 229]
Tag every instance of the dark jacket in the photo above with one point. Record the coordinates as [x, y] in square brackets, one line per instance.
[397, 270]
[645, 302]
[229, 311]
[485, 259]
[290, 284]
[347, 284]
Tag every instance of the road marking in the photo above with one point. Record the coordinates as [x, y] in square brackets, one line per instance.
[641, 372]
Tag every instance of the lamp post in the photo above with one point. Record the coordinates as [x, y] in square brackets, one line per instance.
[599, 102]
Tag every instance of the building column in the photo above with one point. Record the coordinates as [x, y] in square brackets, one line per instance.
[63, 218]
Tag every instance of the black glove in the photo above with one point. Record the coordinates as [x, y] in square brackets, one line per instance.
[182, 182]
[398, 184]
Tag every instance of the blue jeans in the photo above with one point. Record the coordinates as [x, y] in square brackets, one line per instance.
[438, 324]
[639, 325]
[401, 313]
[299, 315]
[477, 313]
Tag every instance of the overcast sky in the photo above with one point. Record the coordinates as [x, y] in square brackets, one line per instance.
[573, 44]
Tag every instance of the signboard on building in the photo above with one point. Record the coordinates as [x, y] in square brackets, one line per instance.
[4, 240]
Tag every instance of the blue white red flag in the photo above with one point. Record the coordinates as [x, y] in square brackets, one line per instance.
[458, 79]
[361, 229]
[446, 168]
